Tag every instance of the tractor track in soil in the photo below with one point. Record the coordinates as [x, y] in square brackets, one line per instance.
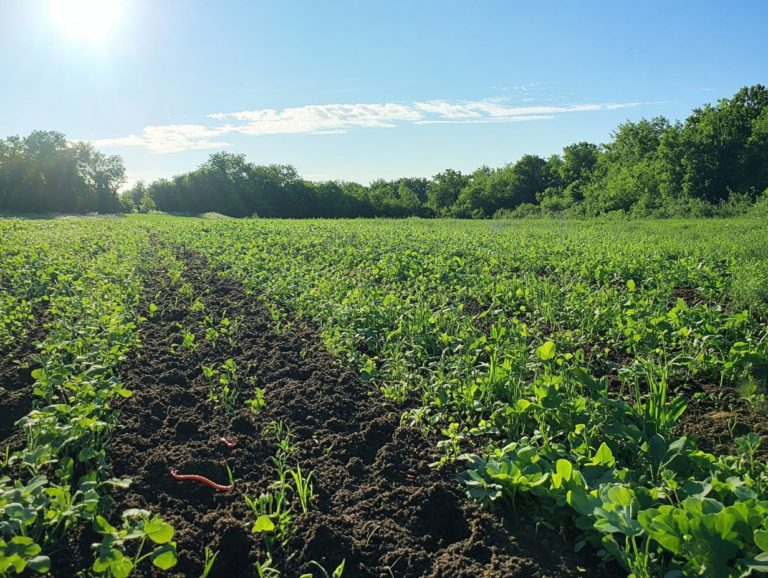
[379, 505]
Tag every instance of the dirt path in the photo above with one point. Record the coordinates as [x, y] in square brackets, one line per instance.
[379, 505]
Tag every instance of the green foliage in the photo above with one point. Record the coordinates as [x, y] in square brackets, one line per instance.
[337, 572]
[20, 553]
[210, 559]
[89, 276]
[558, 350]
[44, 172]
[256, 403]
[304, 487]
[274, 510]
[138, 527]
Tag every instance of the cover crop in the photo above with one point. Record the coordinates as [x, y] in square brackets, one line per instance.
[559, 362]
[568, 351]
[89, 277]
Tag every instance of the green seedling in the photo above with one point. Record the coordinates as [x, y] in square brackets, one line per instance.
[209, 373]
[229, 389]
[451, 445]
[197, 306]
[212, 336]
[273, 518]
[21, 553]
[337, 573]
[304, 488]
[189, 341]
[210, 558]
[257, 402]
[283, 435]
[266, 570]
[138, 526]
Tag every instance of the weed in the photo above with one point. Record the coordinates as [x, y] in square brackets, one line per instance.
[210, 558]
[337, 572]
[256, 403]
[304, 487]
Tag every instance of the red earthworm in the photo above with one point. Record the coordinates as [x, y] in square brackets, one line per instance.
[229, 444]
[202, 480]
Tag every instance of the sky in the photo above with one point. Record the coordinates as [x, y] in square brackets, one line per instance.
[363, 89]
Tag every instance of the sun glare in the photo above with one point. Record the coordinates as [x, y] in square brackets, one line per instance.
[86, 20]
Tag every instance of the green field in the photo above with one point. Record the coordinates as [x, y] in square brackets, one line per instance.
[604, 381]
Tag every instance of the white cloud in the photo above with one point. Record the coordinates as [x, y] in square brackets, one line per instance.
[319, 118]
[447, 109]
[171, 138]
[487, 119]
[497, 110]
[331, 131]
[328, 119]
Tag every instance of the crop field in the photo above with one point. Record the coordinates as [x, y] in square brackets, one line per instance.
[375, 398]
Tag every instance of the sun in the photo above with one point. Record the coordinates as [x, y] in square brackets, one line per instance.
[86, 20]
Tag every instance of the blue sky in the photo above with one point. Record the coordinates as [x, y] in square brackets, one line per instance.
[360, 89]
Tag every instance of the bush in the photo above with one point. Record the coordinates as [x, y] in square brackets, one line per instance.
[683, 207]
[760, 208]
[526, 210]
[737, 204]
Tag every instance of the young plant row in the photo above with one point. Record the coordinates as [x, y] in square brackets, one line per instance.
[59, 479]
[274, 509]
[32, 256]
[209, 336]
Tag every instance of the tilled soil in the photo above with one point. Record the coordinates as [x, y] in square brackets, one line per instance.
[16, 382]
[719, 417]
[379, 505]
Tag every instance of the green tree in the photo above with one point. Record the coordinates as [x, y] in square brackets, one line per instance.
[444, 189]
[44, 172]
[628, 170]
[718, 151]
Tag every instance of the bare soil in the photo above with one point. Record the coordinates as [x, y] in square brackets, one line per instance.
[16, 366]
[717, 418]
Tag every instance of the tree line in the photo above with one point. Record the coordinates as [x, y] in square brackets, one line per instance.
[714, 162]
[44, 172]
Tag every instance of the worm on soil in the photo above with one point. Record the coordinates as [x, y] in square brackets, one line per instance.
[202, 480]
[229, 444]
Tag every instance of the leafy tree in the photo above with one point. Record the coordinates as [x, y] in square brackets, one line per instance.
[755, 158]
[44, 172]
[577, 168]
[628, 170]
[528, 176]
[719, 153]
[444, 189]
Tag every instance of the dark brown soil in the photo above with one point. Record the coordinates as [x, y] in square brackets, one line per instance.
[719, 416]
[16, 381]
[379, 505]
[689, 295]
